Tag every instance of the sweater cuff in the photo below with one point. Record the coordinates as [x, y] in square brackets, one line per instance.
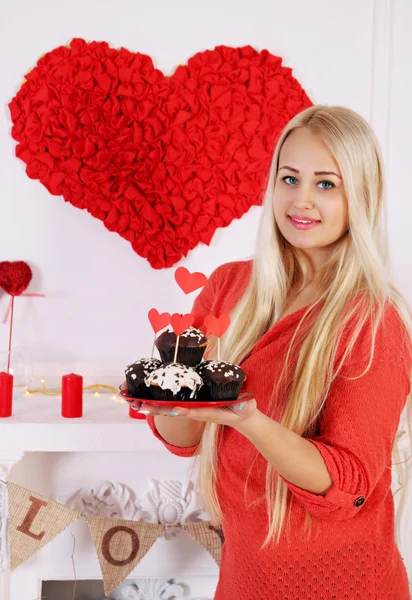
[336, 503]
[177, 450]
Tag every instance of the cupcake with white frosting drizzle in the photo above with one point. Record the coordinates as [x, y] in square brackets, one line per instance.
[174, 381]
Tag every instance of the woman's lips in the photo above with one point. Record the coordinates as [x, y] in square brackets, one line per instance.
[302, 225]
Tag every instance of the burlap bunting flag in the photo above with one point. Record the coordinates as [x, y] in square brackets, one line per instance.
[208, 536]
[120, 546]
[33, 522]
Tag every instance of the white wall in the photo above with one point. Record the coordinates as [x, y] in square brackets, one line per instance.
[98, 291]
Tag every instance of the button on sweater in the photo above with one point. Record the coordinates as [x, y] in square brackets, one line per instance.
[352, 554]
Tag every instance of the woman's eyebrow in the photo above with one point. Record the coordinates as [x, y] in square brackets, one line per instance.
[315, 173]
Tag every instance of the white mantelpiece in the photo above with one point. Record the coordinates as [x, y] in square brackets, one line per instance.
[106, 462]
[101, 463]
[37, 426]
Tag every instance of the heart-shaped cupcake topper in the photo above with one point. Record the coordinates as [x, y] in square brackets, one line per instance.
[217, 326]
[179, 324]
[158, 322]
[189, 282]
[199, 323]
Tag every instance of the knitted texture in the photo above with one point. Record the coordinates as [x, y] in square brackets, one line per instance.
[352, 554]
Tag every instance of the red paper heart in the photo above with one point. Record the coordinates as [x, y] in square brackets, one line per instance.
[158, 321]
[198, 323]
[189, 282]
[217, 325]
[181, 322]
[15, 277]
[163, 161]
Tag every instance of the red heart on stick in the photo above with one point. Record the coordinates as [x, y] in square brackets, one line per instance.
[198, 323]
[217, 325]
[15, 277]
[158, 321]
[161, 160]
[189, 282]
[181, 322]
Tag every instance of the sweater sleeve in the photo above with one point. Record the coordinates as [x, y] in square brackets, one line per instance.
[359, 425]
[202, 306]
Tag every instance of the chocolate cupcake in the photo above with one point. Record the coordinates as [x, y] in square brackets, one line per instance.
[192, 346]
[174, 382]
[136, 373]
[222, 379]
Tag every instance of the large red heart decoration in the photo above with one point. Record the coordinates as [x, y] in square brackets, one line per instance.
[163, 161]
[15, 277]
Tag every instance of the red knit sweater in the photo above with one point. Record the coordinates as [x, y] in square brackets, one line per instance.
[352, 554]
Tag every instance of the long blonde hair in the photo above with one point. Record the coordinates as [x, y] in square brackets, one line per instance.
[358, 265]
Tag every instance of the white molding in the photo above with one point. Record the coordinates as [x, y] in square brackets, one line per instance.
[3, 523]
[381, 71]
[7, 460]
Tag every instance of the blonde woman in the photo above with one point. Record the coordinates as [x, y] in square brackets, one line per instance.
[300, 476]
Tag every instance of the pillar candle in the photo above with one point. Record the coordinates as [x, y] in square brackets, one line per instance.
[6, 394]
[72, 396]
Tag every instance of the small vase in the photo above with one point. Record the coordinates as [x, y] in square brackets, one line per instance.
[20, 368]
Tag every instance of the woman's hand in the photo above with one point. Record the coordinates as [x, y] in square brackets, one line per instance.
[230, 415]
[134, 405]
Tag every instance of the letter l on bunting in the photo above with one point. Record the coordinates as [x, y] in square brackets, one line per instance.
[33, 522]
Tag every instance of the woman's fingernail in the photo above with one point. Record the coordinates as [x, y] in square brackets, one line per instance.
[240, 406]
[134, 407]
[144, 412]
[173, 413]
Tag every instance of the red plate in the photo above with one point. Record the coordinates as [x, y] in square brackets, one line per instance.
[186, 403]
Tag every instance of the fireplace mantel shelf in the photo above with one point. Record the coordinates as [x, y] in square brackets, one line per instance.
[37, 426]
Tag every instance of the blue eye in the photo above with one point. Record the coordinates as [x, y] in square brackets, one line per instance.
[329, 183]
[288, 177]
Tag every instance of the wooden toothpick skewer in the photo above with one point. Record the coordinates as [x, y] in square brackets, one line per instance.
[176, 349]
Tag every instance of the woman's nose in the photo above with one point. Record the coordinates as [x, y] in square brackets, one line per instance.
[304, 198]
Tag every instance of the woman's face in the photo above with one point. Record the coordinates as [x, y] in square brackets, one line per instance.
[309, 185]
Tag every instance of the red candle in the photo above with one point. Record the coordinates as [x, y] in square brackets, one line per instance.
[134, 414]
[6, 394]
[72, 396]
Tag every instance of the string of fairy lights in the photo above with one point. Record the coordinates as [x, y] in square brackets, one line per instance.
[97, 387]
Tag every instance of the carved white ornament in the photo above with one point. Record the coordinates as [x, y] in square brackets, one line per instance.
[170, 503]
[106, 499]
[153, 589]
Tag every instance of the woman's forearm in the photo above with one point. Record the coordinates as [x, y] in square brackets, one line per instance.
[290, 454]
[179, 432]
